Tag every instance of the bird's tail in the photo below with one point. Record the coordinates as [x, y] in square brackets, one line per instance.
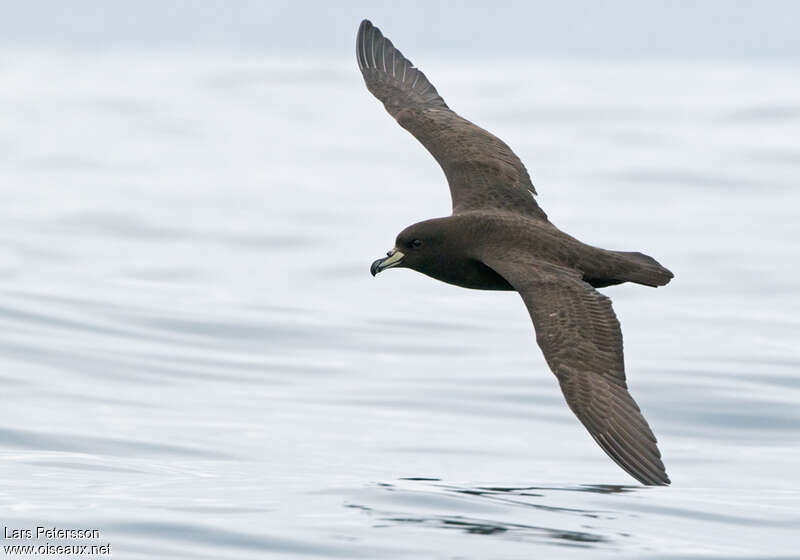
[642, 269]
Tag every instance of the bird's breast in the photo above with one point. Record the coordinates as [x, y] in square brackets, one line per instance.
[470, 274]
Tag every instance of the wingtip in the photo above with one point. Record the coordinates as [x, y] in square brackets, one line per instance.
[361, 41]
[655, 479]
[664, 482]
[388, 73]
[364, 26]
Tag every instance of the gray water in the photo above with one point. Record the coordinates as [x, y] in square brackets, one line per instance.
[196, 361]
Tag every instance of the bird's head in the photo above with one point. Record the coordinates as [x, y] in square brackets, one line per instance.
[420, 247]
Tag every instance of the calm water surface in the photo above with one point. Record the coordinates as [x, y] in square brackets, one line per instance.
[196, 361]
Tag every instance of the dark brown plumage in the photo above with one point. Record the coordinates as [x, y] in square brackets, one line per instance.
[499, 239]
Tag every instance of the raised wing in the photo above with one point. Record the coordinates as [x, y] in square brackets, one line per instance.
[580, 336]
[481, 169]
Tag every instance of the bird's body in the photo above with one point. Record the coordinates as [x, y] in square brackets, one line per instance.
[476, 234]
[498, 238]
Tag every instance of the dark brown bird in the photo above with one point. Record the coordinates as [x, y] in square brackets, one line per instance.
[498, 238]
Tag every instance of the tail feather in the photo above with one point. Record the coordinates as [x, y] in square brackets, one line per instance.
[643, 269]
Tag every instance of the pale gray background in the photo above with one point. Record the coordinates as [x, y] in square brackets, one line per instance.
[624, 28]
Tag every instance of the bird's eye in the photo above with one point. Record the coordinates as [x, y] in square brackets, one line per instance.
[416, 243]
